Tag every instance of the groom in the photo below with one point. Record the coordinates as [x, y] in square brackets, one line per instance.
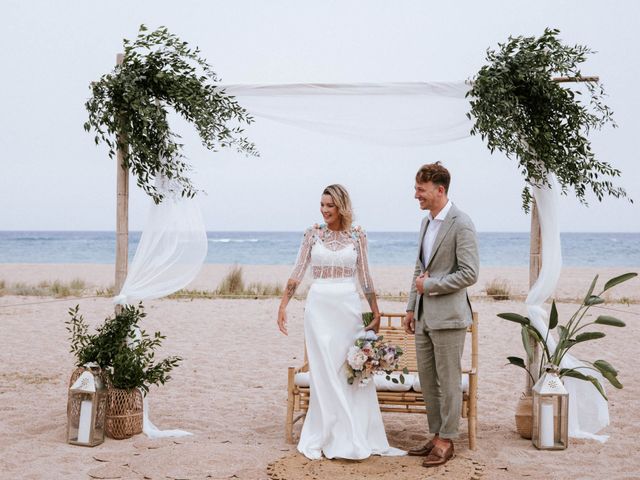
[439, 311]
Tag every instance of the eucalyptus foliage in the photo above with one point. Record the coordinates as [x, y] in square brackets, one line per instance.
[130, 106]
[127, 363]
[570, 334]
[521, 112]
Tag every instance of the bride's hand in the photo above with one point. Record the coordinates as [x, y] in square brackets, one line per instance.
[282, 321]
[375, 324]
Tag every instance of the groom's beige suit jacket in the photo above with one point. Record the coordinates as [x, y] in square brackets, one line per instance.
[453, 266]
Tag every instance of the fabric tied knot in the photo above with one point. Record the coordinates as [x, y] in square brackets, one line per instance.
[120, 299]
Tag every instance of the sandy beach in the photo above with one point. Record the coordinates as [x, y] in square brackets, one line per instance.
[230, 390]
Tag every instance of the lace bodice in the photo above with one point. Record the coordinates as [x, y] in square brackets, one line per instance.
[334, 254]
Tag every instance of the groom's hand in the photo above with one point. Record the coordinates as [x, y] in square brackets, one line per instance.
[409, 323]
[420, 282]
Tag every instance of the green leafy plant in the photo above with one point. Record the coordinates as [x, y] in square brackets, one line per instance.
[521, 112]
[128, 361]
[367, 318]
[129, 107]
[569, 335]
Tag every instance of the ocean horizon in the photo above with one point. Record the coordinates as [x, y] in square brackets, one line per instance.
[500, 249]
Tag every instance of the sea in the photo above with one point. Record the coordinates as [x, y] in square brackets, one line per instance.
[497, 249]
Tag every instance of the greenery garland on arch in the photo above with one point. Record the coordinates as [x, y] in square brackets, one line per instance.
[520, 111]
[129, 106]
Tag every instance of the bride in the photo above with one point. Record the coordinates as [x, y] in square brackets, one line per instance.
[343, 421]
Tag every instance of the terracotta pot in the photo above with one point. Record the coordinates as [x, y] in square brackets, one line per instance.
[524, 416]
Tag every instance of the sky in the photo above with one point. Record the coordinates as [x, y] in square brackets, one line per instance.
[53, 177]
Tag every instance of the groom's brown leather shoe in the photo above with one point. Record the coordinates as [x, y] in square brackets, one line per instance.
[439, 456]
[422, 451]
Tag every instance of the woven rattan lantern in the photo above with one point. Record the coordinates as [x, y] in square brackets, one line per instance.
[550, 412]
[87, 408]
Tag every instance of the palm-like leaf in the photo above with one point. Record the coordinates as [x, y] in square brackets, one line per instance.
[517, 361]
[514, 317]
[619, 279]
[590, 291]
[553, 317]
[526, 343]
[569, 372]
[586, 336]
[611, 321]
[593, 300]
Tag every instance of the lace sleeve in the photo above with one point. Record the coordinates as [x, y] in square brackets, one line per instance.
[304, 256]
[363, 262]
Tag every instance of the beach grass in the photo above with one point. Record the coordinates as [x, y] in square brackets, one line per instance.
[106, 291]
[498, 289]
[45, 288]
[233, 285]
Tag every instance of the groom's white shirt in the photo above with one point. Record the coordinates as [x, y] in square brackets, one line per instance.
[432, 232]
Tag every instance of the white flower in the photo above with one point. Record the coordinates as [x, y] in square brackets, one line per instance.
[370, 335]
[364, 382]
[389, 358]
[356, 358]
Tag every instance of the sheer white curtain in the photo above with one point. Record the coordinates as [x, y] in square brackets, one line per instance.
[173, 244]
[170, 254]
[588, 410]
[171, 251]
[393, 114]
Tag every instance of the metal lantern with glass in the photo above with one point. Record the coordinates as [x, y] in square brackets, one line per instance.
[86, 408]
[550, 412]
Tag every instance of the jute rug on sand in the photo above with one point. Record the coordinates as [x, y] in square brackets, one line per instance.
[298, 467]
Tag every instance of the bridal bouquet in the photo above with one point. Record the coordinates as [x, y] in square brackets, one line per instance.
[371, 355]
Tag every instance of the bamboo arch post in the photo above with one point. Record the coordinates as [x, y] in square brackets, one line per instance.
[535, 262]
[122, 210]
[535, 251]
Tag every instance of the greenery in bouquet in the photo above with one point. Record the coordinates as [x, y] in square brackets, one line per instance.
[127, 358]
[571, 334]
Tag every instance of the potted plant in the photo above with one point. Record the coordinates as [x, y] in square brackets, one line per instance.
[126, 356]
[570, 334]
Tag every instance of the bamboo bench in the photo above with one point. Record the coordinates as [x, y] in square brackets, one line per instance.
[409, 401]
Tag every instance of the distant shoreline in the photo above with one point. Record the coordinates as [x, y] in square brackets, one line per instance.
[281, 248]
[390, 280]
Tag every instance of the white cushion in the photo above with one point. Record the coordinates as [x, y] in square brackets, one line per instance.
[464, 383]
[382, 384]
[301, 379]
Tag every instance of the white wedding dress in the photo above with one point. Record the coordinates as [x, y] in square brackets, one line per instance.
[343, 421]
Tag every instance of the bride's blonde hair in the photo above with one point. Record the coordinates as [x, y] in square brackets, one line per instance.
[341, 200]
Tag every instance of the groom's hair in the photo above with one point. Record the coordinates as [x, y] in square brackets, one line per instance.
[436, 173]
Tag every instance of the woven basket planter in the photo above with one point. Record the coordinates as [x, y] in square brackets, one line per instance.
[524, 416]
[124, 413]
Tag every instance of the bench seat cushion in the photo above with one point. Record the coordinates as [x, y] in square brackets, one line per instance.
[302, 380]
[464, 383]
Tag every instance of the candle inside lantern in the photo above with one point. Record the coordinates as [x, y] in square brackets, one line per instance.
[546, 425]
[84, 427]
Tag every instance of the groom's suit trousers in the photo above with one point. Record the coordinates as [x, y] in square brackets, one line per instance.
[439, 355]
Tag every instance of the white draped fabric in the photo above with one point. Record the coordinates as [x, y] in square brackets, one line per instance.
[173, 244]
[170, 254]
[171, 251]
[588, 410]
[390, 114]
